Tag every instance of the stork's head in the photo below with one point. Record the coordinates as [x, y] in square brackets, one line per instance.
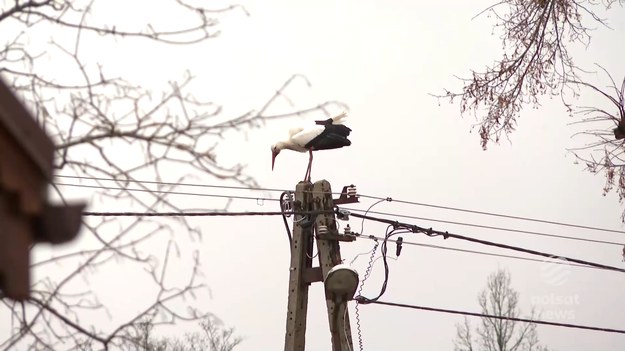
[275, 150]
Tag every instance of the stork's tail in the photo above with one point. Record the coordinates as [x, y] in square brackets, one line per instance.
[340, 118]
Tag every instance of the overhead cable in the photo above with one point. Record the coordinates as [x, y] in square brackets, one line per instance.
[362, 196]
[483, 315]
[430, 232]
[198, 185]
[404, 242]
[497, 215]
[489, 227]
[168, 192]
[200, 214]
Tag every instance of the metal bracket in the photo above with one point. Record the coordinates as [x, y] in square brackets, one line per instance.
[348, 196]
[337, 237]
[312, 275]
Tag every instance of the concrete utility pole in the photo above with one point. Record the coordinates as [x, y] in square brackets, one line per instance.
[329, 256]
[315, 198]
[295, 339]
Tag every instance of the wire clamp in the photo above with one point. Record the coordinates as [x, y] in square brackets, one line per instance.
[342, 215]
[287, 203]
[398, 248]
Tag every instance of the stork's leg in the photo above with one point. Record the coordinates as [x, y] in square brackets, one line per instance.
[309, 169]
[310, 151]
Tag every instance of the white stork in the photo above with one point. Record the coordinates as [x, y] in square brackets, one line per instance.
[323, 135]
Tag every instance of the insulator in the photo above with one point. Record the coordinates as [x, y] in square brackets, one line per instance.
[348, 230]
[351, 191]
[322, 229]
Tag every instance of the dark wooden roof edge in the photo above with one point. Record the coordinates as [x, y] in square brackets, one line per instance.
[59, 223]
[23, 127]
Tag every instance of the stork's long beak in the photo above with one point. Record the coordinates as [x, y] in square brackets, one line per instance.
[273, 159]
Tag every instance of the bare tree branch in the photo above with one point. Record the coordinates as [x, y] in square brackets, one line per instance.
[536, 60]
[610, 146]
[92, 115]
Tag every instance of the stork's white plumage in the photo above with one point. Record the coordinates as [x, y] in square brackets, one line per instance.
[323, 135]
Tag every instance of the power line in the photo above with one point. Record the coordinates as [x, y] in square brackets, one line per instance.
[521, 231]
[364, 301]
[199, 214]
[351, 209]
[363, 196]
[168, 192]
[172, 214]
[234, 214]
[172, 183]
[496, 214]
[475, 252]
[430, 232]
[197, 185]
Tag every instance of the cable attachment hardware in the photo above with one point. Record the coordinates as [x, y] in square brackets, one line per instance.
[342, 215]
[347, 230]
[349, 195]
[398, 248]
[287, 203]
[429, 232]
[322, 229]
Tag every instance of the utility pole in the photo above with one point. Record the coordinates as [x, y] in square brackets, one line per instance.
[329, 256]
[301, 250]
[301, 272]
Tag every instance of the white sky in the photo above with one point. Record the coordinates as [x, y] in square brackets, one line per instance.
[383, 59]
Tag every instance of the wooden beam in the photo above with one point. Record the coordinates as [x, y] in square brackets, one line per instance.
[15, 239]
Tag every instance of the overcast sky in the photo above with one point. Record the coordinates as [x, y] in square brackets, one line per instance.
[383, 59]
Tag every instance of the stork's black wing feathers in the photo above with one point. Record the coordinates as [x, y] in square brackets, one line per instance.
[328, 141]
[334, 136]
[324, 122]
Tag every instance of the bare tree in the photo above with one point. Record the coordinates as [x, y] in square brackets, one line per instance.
[499, 299]
[214, 336]
[536, 35]
[142, 338]
[91, 116]
[605, 127]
